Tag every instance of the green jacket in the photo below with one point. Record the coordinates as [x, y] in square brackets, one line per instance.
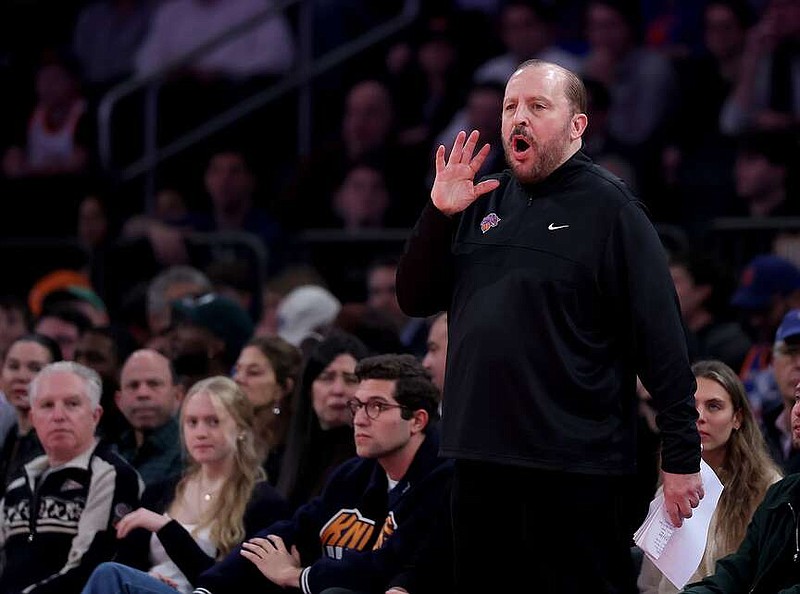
[768, 560]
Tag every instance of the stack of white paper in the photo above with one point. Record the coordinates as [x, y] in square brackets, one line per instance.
[677, 551]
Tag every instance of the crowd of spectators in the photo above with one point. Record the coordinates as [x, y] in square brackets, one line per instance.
[696, 106]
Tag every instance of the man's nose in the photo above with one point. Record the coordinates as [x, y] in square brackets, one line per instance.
[59, 412]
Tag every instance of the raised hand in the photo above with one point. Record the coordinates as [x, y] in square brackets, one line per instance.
[454, 188]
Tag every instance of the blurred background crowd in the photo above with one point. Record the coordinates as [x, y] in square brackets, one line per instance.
[251, 148]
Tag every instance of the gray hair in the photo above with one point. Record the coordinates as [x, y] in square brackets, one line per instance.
[157, 289]
[94, 386]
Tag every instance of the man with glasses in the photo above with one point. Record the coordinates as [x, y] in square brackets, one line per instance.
[777, 423]
[376, 509]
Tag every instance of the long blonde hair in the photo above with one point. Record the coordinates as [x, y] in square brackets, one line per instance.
[748, 470]
[225, 515]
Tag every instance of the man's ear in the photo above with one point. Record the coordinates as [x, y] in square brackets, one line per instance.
[419, 420]
[578, 125]
[180, 394]
[97, 414]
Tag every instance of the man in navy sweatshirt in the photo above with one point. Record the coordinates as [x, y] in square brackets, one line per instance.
[375, 510]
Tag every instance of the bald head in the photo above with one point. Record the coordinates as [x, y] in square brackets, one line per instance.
[148, 395]
[573, 87]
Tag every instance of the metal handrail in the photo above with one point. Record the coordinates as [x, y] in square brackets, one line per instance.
[136, 83]
[300, 78]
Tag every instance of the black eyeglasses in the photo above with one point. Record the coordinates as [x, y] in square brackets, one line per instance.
[373, 408]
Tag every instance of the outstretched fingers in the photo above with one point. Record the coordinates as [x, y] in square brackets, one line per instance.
[439, 159]
[458, 148]
[486, 186]
[477, 162]
[469, 148]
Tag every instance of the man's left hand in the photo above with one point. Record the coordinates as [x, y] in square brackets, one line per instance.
[272, 558]
[682, 493]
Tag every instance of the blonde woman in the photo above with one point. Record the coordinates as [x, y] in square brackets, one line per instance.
[185, 526]
[734, 447]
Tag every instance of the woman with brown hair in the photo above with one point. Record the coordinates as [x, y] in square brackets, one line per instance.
[734, 448]
[267, 371]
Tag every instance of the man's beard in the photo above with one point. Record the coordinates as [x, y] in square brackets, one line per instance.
[547, 157]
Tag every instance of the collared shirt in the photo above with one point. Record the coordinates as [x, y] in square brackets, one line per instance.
[159, 456]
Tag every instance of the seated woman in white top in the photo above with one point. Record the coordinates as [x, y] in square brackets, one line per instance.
[185, 525]
[734, 447]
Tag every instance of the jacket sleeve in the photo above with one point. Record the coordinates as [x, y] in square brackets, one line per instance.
[425, 272]
[234, 574]
[113, 488]
[635, 277]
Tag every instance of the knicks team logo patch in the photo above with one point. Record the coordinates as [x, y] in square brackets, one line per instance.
[489, 221]
[348, 529]
[389, 526]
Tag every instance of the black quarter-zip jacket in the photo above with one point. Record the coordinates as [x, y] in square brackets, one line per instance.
[558, 295]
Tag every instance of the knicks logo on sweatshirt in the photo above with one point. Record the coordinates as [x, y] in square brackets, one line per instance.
[389, 526]
[348, 529]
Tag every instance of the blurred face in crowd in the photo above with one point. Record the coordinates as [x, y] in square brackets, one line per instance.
[606, 30]
[436, 358]
[484, 112]
[256, 377]
[756, 177]
[368, 118]
[229, 181]
[63, 416]
[795, 418]
[382, 294]
[331, 390]
[147, 396]
[23, 361]
[98, 351]
[362, 199]
[523, 32]
[12, 326]
[64, 333]
[786, 366]
[724, 34]
[690, 295]
[717, 418]
[92, 222]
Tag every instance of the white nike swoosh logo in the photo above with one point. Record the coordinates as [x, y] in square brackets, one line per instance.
[554, 227]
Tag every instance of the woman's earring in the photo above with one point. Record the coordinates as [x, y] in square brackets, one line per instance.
[276, 410]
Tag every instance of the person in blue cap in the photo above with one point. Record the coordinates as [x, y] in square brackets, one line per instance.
[786, 375]
[769, 287]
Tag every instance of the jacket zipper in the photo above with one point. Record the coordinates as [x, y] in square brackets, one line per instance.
[795, 557]
[34, 512]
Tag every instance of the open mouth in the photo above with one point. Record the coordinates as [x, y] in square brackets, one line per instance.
[521, 144]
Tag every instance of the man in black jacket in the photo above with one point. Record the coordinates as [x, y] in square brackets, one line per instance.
[558, 295]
